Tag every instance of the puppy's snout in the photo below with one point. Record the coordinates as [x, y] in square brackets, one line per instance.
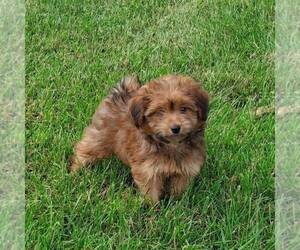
[175, 129]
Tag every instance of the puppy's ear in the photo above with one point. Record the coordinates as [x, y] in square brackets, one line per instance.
[137, 108]
[201, 100]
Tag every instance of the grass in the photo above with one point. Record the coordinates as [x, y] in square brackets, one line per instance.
[76, 51]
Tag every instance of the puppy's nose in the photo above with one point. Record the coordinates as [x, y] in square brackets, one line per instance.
[175, 129]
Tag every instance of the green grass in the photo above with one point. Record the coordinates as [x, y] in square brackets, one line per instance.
[77, 50]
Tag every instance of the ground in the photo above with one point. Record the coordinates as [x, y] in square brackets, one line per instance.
[76, 51]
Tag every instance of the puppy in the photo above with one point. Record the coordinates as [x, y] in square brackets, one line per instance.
[156, 129]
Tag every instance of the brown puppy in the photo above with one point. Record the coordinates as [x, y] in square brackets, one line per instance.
[156, 129]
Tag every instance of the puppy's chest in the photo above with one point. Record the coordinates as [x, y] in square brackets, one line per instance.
[176, 163]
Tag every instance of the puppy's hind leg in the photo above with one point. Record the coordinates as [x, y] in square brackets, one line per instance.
[93, 146]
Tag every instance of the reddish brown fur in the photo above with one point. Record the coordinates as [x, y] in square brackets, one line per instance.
[135, 123]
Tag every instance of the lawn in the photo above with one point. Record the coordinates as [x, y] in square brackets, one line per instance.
[76, 51]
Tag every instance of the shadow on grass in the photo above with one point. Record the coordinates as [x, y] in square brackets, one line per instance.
[112, 175]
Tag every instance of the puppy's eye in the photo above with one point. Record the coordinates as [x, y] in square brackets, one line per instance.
[160, 111]
[183, 109]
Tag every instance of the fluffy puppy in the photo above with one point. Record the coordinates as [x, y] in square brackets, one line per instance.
[156, 129]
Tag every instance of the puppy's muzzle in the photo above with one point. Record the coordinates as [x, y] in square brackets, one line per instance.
[175, 129]
[162, 139]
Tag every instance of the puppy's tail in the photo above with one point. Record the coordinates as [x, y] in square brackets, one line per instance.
[121, 94]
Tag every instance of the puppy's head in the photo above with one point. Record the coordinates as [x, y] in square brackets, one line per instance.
[170, 108]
